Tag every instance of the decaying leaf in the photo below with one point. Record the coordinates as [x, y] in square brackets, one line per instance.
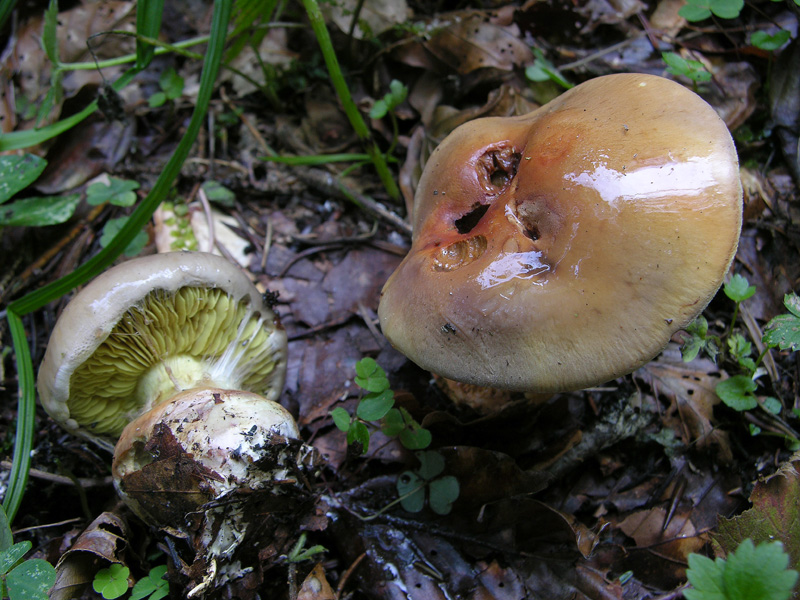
[103, 542]
[690, 389]
[316, 586]
[775, 514]
[674, 538]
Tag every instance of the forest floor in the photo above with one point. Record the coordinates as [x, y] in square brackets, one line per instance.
[599, 494]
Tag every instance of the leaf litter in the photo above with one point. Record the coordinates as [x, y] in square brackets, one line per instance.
[559, 498]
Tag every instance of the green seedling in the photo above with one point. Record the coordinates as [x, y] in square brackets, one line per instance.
[392, 99]
[119, 192]
[738, 391]
[300, 553]
[111, 582]
[154, 586]
[784, 330]
[686, 67]
[698, 10]
[699, 340]
[427, 482]
[770, 42]
[22, 579]
[113, 227]
[218, 193]
[543, 70]
[171, 85]
[377, 406]
[749, 573]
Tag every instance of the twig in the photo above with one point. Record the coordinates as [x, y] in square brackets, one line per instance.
[348, 573]
[61, 479]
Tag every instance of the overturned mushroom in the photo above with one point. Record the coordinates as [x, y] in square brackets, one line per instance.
[179, 357]
[152, 327]
[562, 249]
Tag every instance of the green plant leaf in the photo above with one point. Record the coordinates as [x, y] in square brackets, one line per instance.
[38, 212]
[31, 580]
[543, 70]
[772, 405]
[770, 42]
[705, 575]
[739, 346]
[737, 392]
[379, 109]
[727, 9]
[694, 13]
[157, 99]
[359, 433]
[412, 491]
[17, 172]
[218, 193]
[341, 418]
[399, 92]
[691, 347]
[370, 376]
[111, 582]
[758, 572]
[739, 289]
[374, 406]
[6, 538]
[414, 437]
[443, 492]
[154, 585]
[431, 464]
[693, 69]
[113, 226]
[11, 556]
[393, 423]
[784, 330]
[119, 192]
[50, 32]
[171, 83]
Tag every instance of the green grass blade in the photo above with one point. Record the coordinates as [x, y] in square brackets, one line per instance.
[148, 24]
[6, 6]
[348, 104]
[38, 298]
[25, 139]
[21, 461]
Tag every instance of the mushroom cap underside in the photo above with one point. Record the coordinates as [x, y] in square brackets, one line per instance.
[563, 248]
[181, 317]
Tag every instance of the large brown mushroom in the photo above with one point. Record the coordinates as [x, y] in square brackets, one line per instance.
[561, 249]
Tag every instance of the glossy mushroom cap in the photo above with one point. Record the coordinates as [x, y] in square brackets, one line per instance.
[561, 249]
[151, 327]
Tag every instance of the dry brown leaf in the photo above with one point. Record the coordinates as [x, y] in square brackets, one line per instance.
[316, 586]
[374, 17]
[32, 67]
[104, 541]
[690, 389]
[675, 541]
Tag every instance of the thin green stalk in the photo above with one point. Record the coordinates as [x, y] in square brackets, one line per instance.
[54, 290]
[349, 106]
[26, 409]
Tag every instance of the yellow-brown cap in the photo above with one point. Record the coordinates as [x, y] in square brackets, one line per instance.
[561, 249]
